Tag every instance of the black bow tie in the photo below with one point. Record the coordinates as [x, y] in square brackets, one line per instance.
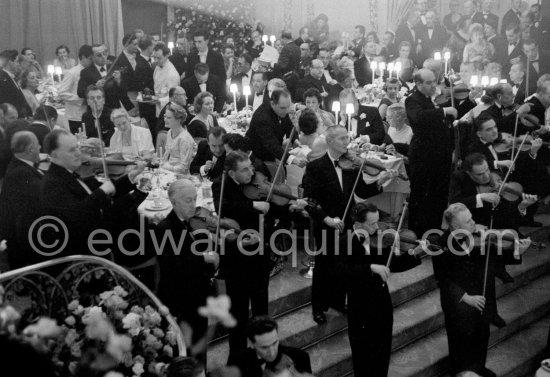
[102, 69]
[511, 107]
[245, 75]
[336, 165]
[259, 94]
[76, 175]
[511, 44]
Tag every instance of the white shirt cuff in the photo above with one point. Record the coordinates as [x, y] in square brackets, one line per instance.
[202, 171]
[495, 164]
[290, 159]
[479, 202]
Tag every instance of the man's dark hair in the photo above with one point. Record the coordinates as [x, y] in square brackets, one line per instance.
[24, 50]
[361, 29]
[342, 75]
[308, 122]
[85, 51]
[127, 39]
[228, 46]
[233, 159]
[529, 42]
[278, 93]
[162, 47]
[513, 26]
[359, 212]
[45, 113]
[5, 107]
[184, 366]
[236, 142]
[171, 91]
[216, 132]
[264, 75]
[201, 68]
[471, 160]
[60, 47]
[201, 33]
[145, 42]
[247, 58]
[260, 325]
[51, 141]
[9, 54]
[94, 87]
[313, 92]
[482, 119]
[497, 89]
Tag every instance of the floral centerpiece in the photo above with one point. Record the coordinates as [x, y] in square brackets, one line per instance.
[222, 19]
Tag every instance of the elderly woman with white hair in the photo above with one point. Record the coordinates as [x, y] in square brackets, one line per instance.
[132, 141]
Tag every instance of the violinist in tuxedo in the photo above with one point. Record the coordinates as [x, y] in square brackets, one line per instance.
[512, 16]
[430, 154]
[459, 270]
[370, 308]
[365, 119]
[79, 203]
[330, 186]
[19, 202]
[203, 81]
[517, 79]
[185, 274]
[210, 157]
[116, 92]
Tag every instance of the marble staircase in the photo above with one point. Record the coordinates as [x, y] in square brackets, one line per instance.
[419, 339]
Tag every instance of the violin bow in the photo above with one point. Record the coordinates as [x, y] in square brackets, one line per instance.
[281, 163]
[218, 226]
[514, 137]
[485, 274]
[396, 239]
[359, 173]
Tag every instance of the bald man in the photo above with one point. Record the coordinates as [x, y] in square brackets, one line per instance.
[313, 80]
[430, 154]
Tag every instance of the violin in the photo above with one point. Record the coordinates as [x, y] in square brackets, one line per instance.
[511, 191]
[351, 161]
[503, 238]
[460, 91]
[258, 189]
[505, 145]
[205, 219]
[385, 238]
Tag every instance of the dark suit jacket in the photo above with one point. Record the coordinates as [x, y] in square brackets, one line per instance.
[509, 17]
[359, 44]
[489, 18]
[266, 133]
[477, 146]
[107, 126]
[214, 60]
[544, 67]
[11, 93]
[333, 95]
[307, 83]
[114, 94]
[289, 59]
[321, 184]
[250, 366]
[520, 94]
[19, 206]
[363, 73]
[213, 85]
[430, 45]
[178, 60]
[432, 141]
[205, 154]
[403, 33]
[135, 79]
[63, 197]
[375, 130]
[505, 123]
[39, 129]
[503, 58]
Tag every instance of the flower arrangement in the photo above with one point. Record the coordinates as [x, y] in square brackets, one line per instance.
[368, 93]
[223, 19]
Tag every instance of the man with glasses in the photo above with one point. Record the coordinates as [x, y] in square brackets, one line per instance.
[116, 93]
[203, 54]
[313, 80]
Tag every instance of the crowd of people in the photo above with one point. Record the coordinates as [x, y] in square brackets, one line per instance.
[456, 136]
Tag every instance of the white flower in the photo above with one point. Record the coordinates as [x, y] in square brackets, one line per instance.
[168, 351]
[70, 320]
[118, 346]
[98, 327]
[362, 116]
[120, 291]
[71, 337]
[132, 323]
[3, 245]
[171, 337]
[138, 369]
[44, 328]
[217, 308]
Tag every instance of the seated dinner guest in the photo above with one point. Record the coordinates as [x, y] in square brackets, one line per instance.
[205, 119]
[180, 146]
[210, 155]
[313, 100]
[29, 88]
[365, 120]
[95, 97]
[130, 140]
[399, 131]
[391, 88]
[63, 60]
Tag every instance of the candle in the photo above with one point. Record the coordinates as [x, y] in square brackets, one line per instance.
[349, 111]
[264, 38]
[447, 56]
[503, 81]
[234, 90]
[336, 109]
[382, 67]
[84, 130]
[437, 55]
[170, 46]
[272, 39]
[58, 73]
[494, 81]
[474, 80]
[246, 93]
[391, 67]
[484, 81]
[51, 71]
[373, 66]
[397, 67]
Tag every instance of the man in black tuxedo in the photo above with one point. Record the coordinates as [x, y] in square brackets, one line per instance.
[260, 94]
[10, 92]
[538, 61]
[267, 354]
[313, 80]
[270, 124]
[366, 119]
[517, 79]
[433, 36]
[512, 16]
[459, 272]
[203, 54]
[44, 121]
[485, 16]
[330, 186]
[504, 111]
[135, 71]
[116, 92]
[358, 42]
[78, 203]
[407, 32]
[242, 78]
[185, 271]
[246, 273]
[361, 68]
[541, 24]
[210, 157]
[370, 309]
[289, 59]
[203, 80]
[8, 115]
[95, 97]
[429, 154]
[508, 53]
[19, 202]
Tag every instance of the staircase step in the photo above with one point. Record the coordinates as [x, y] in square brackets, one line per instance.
[422, 316]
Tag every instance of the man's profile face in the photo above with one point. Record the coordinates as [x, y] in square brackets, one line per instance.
[511, 36]
[100, 55]
[507, 96]
[480, 174]
[488, 132]
[216, 145]
[185, 202]
[160, 58]
[463, 220]
[180, 97]
[258, 83]
[201, 43]
[282, 107]
[428, 84]
[370, 225]
[267, 345]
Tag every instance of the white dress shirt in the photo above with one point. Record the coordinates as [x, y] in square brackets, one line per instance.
[74, 105]
[102, 73]
[338, 170]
